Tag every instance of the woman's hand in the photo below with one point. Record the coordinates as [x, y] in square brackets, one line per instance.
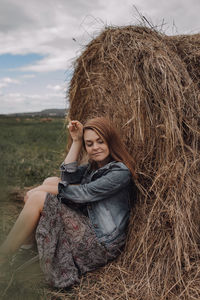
[75, 130]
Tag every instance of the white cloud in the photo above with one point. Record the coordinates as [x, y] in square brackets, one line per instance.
[10, 80]
[43, 27]
[4, 82]
[56, 87]
[50, 27]
[52, 62]
[28, 76]
[19, 102]
[2, 85]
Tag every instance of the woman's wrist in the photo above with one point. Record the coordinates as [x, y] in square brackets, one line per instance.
[78, 140]
[74, 151]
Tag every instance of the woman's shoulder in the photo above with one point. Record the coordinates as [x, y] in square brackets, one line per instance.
[117, 165]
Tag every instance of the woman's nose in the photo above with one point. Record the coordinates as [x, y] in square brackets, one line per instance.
[95, 146]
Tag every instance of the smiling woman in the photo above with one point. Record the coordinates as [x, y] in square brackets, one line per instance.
[96, 147]
[81, 218]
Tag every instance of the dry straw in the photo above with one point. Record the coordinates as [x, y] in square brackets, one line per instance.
[188, 49]
[148, 84]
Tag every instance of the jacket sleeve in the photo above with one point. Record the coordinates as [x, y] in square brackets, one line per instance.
[99, 189]
[72, 173]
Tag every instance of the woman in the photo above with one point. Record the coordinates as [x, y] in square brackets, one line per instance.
[80, 220]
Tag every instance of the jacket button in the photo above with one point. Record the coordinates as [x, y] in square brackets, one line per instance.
[89, 206]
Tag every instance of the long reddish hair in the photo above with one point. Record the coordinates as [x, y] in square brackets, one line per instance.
[105, 129]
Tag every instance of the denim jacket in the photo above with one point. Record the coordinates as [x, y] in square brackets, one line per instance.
[105, 193]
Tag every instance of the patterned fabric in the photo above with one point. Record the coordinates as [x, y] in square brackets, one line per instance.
[67, 244]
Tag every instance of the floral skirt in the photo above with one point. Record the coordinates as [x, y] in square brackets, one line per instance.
[67, 244]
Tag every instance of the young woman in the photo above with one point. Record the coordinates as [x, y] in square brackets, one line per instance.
[81, 219]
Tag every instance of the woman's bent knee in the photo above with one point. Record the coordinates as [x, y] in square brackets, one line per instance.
[25, 198]
[27, 195]
[51, 180]
[36, 200]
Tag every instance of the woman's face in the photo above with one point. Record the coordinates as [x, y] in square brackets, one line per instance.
[96, 147]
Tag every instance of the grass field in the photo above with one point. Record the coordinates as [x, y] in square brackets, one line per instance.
[30, 151]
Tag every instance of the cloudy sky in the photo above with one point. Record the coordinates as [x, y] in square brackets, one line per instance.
[40, 39]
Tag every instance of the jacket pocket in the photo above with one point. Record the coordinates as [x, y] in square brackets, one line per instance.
[103, 219]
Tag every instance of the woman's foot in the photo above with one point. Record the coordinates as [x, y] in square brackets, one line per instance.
[24, 254]
[27, 246]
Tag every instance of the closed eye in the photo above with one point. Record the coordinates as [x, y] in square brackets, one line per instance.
[100, 141]
[89, 144]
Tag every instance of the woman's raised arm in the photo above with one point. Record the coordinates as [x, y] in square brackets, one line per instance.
[76, 132]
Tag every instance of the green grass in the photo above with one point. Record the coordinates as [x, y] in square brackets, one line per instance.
[30, 151]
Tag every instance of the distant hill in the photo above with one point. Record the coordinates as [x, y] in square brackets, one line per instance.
[44, 113]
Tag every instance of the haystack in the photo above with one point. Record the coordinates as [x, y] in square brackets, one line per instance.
[134, 77]
[188, 49]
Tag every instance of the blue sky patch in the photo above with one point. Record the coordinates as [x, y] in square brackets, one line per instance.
[10, 61]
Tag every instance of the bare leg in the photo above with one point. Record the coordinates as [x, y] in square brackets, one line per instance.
[50, 185]
[25, 224]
